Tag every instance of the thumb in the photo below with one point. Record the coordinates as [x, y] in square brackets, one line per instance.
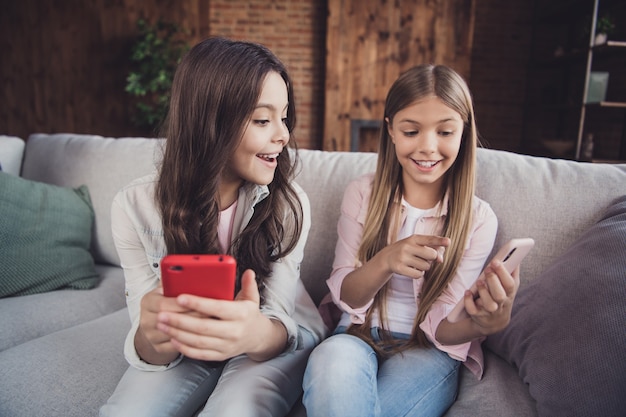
[249, 290]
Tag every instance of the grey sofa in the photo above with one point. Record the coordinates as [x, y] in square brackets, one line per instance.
[61, 351]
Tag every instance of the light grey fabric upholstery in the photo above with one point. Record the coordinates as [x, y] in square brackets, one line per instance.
[11, 154]
[59, 358]
[552, 201]
[103, 164]
[69, 373]
[567, 332]
[36, 315]
[324, 176]
[500, 393]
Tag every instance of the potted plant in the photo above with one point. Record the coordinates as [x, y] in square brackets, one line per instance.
[604, 27]
[155, 54]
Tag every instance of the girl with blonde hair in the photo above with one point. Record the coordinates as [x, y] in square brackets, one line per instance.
[412, 238]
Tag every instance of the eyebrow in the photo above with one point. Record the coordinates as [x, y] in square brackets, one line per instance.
[449, 119]
[269, 106]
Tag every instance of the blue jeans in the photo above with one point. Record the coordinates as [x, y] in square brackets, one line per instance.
[239, 387]
[345, 378]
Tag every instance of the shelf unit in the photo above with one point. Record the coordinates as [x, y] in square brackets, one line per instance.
[563, 57]
[615, 104]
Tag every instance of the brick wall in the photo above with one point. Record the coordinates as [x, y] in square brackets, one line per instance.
[72, 78]
[49, 80]
[295, 30]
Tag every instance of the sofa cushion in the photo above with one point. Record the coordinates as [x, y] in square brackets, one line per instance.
[31, 316]
[324, 176]
[11, 154]
[566, 334]
[104, 165]
[553, 201]
[45, 232]
[500, 393]
[69, 373]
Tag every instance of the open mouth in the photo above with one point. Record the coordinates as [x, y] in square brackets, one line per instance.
[269, 157]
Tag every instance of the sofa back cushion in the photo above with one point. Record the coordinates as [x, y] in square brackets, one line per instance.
[553, 201]
[104, 165]
[324, 176]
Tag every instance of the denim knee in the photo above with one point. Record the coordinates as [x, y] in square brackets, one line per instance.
[339, 356]
[340, 378]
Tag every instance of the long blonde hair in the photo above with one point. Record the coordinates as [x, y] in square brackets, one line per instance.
[383, 212]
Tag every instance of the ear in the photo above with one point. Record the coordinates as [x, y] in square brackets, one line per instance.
[389, 129]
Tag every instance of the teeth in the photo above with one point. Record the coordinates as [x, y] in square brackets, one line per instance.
[426, 164]
[269, 156]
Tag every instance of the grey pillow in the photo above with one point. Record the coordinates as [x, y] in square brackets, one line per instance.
[567, 335]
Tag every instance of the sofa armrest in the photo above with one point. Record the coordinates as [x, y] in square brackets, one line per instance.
[11, 154]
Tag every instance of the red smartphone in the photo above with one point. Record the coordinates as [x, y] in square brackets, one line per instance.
[511, 254]
[210, 276]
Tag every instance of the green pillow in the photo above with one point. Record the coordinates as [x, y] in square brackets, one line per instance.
[45, 233]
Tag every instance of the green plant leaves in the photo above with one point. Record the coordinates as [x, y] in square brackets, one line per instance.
[155, 54]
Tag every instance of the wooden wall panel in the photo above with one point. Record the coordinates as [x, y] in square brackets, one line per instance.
[64, 62]
[370, 42]
[295, 30]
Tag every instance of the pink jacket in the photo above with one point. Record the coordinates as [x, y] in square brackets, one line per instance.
[477, 249]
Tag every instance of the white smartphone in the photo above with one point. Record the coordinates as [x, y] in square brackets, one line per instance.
[511, 254]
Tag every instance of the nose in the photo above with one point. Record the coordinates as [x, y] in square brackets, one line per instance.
[428, 143]
[282, 134]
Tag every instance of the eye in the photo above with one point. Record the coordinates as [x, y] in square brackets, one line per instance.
[446, 133]
[410, 133]
[284, 120]
[261, 122]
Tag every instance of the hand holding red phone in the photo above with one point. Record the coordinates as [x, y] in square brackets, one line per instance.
[205, 275]
[225, 328]
[153, 345]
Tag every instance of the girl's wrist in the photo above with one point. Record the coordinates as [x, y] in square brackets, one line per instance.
[147, 352]
[271, 340]
[484, 331]
[380, 266]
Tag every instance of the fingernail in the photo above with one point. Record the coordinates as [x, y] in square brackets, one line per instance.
[441, 250]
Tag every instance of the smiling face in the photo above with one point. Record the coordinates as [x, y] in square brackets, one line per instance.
[427, 138]
[265, 136]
